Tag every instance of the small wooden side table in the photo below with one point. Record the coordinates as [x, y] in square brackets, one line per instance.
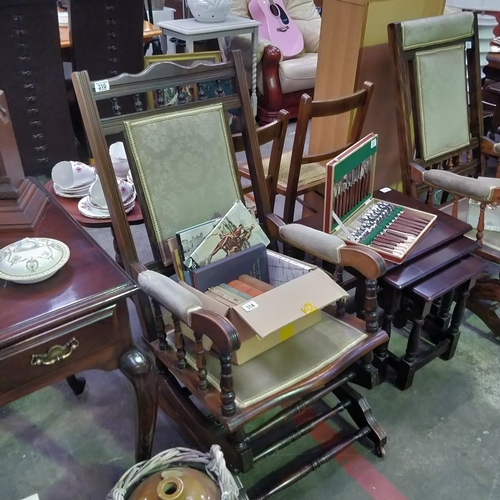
[82, 312]
[71, 206]
[191, 31]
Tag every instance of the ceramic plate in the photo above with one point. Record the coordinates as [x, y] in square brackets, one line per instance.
[89, 210]
[32, 260]
[71, 194]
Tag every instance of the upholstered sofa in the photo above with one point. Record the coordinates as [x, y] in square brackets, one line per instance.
[281, 82]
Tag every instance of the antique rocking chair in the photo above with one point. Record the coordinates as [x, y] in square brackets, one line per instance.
[441, 142]
[212, 400]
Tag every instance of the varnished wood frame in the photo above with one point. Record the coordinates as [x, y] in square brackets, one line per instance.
[358, 103]
[407, 111]
[274, 132]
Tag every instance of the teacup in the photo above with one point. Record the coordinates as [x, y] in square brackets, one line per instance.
[72, 174]
[97, 198]
[119, 160]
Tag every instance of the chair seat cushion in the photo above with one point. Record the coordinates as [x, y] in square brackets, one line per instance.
[298, 73]
[309, 172]
[288, 363]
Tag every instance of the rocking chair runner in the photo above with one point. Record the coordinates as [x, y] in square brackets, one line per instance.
[441, 140]
[319, 361]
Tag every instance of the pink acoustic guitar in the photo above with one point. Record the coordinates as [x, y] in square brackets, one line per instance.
[276, 26]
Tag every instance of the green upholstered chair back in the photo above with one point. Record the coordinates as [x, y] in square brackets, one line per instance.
[184, 166]
[439, 103]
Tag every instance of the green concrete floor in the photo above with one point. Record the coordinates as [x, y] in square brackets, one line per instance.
[443, 437]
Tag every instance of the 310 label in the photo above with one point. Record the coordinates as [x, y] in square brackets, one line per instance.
[101, 86]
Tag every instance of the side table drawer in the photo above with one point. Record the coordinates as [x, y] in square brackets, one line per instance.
[56, 349]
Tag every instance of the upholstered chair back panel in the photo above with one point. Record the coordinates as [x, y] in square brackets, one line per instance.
[442, 100]
[421, 33]
[185, 167]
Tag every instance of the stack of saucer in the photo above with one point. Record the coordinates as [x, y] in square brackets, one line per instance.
[94, 205]
[72, 179]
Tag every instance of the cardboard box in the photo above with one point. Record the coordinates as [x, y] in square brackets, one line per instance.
[295, 304]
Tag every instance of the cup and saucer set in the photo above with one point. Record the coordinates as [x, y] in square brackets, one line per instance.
[74, 179]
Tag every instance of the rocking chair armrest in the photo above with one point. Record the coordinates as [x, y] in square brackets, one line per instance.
[186, 306]
[483, 190]
[218, 329]
[489, 147]
[176, 299]
[332, 249]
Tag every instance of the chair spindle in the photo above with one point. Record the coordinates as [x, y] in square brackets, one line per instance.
[160, 98]
[179, 344]
[201, 361]
[138, 103]
[227, 394]
[371, 317]
[115, 107]
[430, 196]
[454, 212]
[480, 224]
[159, 325]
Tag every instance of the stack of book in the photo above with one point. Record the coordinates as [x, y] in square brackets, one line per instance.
[224, 257]
[239, 290]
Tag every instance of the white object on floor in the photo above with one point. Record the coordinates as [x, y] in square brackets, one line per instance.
[192, 31]
[32, 497]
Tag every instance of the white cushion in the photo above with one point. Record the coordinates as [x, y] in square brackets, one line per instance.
[240, 8]
[308, 20]
[298, 73]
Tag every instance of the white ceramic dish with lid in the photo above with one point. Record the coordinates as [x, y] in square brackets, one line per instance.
[32, 260]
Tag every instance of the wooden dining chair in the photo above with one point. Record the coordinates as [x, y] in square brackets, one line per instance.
[301, 173]
[184, 168]
[440, 123]
[274, 132]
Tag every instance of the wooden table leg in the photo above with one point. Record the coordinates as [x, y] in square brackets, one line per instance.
[137, 367]
[453, 332]
[77, 384]
[407, 365]
[390, 302]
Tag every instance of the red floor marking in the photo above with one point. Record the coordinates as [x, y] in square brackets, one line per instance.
[358, 467]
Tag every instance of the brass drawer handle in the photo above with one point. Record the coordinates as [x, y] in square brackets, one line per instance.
[55, 354]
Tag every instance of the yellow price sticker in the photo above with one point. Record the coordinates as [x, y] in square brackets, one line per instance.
[308, 308]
